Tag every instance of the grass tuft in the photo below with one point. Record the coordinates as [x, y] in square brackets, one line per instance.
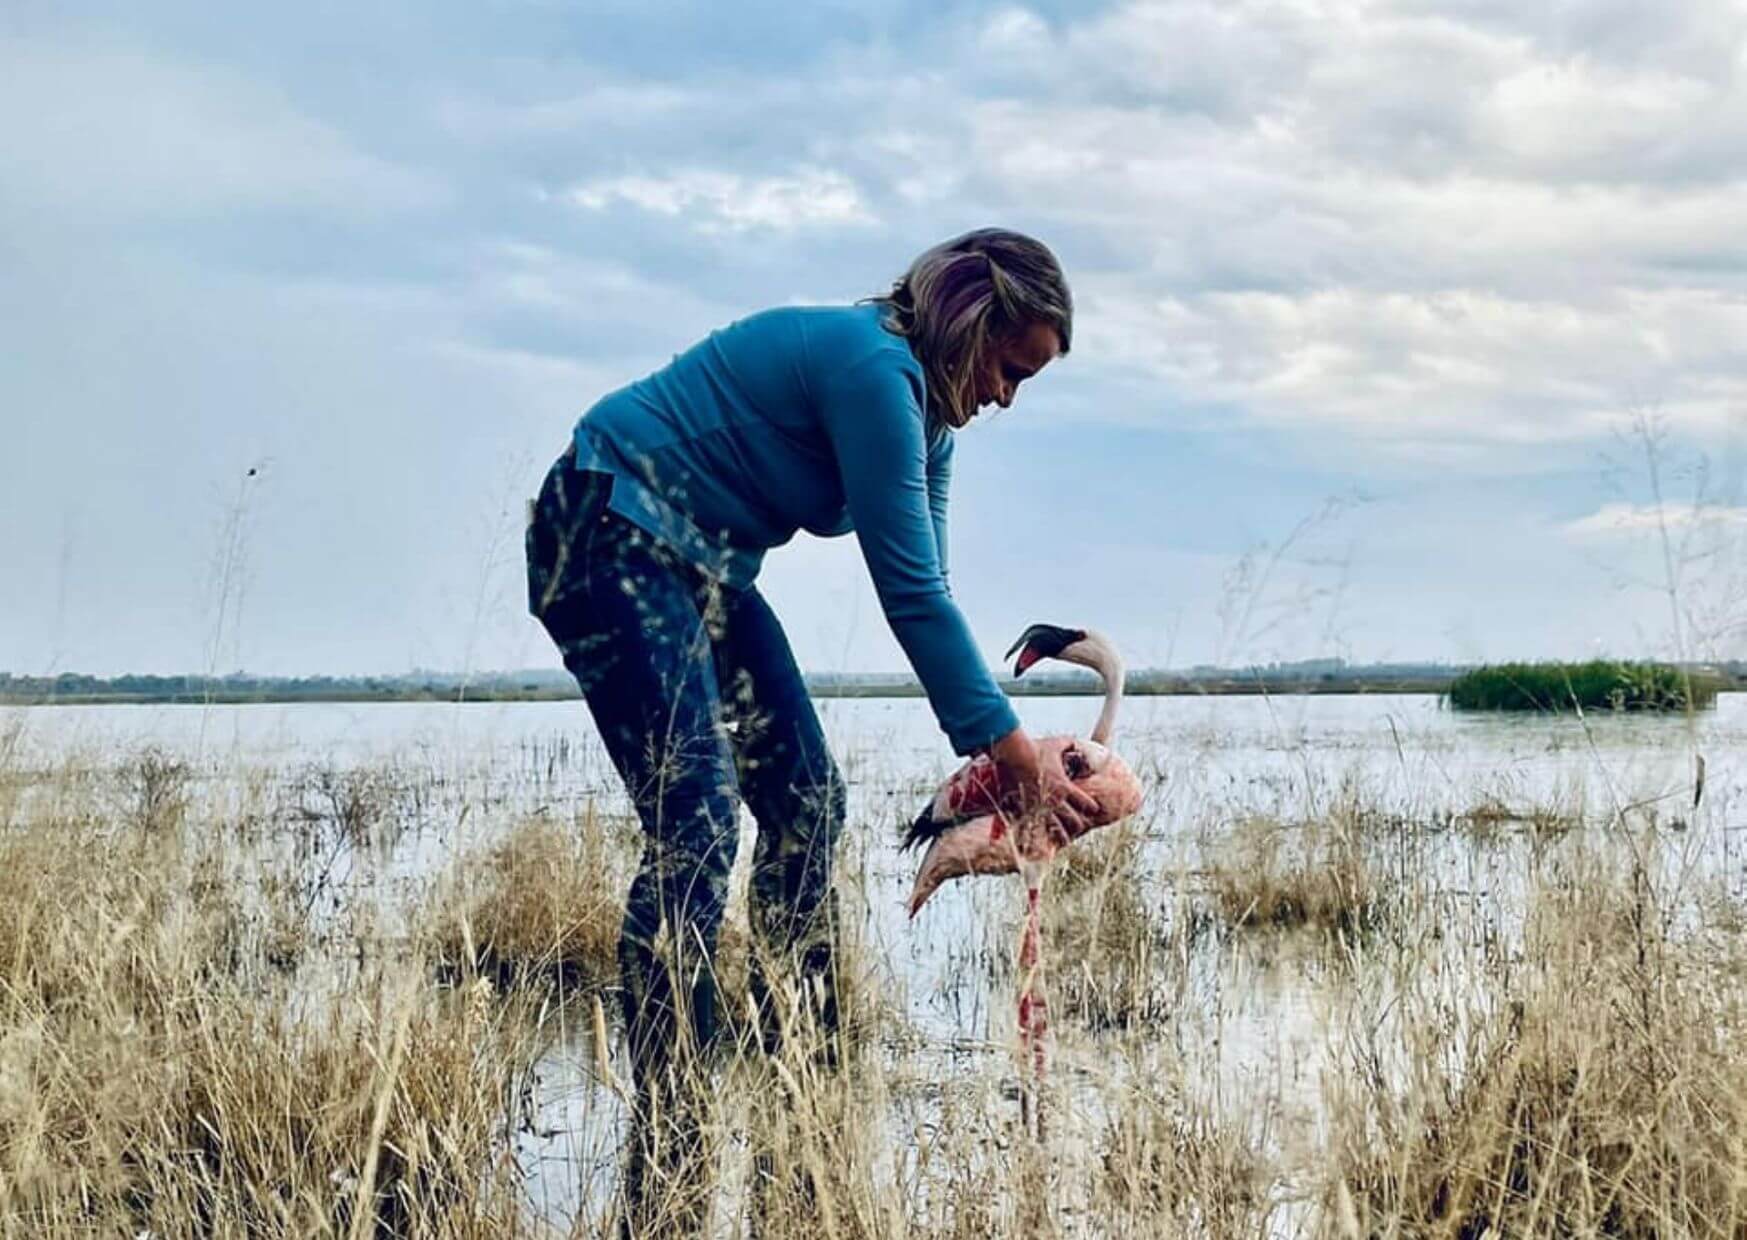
[210, 1026]
[1171, 1167]
[1114, 963]
[545, 905]
[1313, 877]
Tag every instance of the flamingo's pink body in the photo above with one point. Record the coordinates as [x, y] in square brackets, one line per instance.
[984, 842]
[970, 833]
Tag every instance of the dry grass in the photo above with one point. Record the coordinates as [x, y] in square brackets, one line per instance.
[544, 904]
[157, 786]
[1314, 877]
[1594, 1088]
[199, 1038]
[1171, 1167]
[1116, 937]
[158, 1076]
[1491, 814]
[818, 1136]
[359, 805]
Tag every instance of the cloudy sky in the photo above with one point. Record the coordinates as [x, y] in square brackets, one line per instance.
[1395, 319]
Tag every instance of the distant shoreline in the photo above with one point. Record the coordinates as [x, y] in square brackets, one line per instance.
[1317, 678]
[1183, 688]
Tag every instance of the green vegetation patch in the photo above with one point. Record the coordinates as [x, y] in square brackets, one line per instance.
[1600, 684]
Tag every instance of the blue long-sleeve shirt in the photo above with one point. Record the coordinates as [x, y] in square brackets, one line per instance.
[804, 418]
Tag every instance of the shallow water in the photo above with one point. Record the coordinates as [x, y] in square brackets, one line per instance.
[1251, 1024]
[1254, 749]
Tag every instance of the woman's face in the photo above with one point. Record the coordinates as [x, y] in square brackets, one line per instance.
[1010, 361]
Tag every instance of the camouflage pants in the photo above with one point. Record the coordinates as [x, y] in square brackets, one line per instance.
[700, 704]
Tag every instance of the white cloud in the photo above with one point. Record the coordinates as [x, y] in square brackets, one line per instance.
[1424, 230]
[1621, 518]
[1576, 110]
[1399, 369]
[730, 202]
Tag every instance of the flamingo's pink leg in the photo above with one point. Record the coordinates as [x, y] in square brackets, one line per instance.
[1033, 1007]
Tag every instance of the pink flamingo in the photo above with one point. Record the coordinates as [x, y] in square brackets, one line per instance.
[967, 830]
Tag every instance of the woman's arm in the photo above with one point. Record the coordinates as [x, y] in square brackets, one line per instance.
[871, 412]
[874, 419]
[939, 486]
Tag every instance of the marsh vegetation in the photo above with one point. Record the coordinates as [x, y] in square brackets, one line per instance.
[1354, 974]
[1599, 684]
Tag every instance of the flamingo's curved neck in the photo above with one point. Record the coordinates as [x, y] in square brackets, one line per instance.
[1096, 652]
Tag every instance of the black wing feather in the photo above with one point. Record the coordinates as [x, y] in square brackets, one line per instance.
[926, 829]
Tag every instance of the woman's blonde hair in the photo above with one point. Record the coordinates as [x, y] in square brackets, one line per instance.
[968, 293]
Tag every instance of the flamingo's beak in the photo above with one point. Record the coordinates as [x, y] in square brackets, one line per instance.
[1040, 641]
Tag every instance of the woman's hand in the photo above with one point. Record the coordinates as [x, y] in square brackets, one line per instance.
[1039, 790]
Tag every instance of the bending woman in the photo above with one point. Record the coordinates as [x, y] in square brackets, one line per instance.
[642, 556]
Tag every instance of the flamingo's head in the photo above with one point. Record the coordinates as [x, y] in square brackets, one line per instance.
[1043, 641]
